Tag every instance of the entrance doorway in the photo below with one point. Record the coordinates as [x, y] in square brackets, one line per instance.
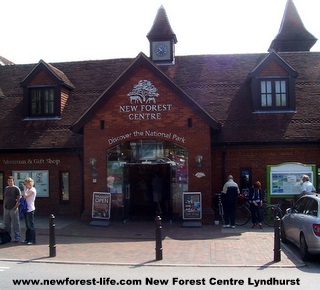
[131, 167]
[148, 191]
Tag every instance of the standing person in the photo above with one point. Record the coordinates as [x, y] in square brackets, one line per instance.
[11, 204]
[229, 198]
[307, 186]
[255, 201]
[29, 195]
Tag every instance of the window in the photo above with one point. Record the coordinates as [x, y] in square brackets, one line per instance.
[273, 86]
[313, 208]
[42, 101]
[64, 187]
[301, 206]
[274, 94]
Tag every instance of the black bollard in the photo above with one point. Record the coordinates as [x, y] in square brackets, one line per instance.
[52, 236]
[158, 239]
[277, 235]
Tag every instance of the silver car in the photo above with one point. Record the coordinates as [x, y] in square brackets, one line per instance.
[301, 225]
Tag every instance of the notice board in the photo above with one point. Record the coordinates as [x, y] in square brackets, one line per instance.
[286, 178]
[101, 205]
[191, 205]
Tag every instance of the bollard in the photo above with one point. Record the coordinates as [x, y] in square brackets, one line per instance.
[52, 237]
[277, 235]
[158, 239]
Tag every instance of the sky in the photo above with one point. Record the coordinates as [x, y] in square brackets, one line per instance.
[75, 30]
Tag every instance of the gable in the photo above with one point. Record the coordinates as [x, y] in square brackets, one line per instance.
[273, 64]
[46, 91]
[42, 78]
[273, 68]
[137, 71]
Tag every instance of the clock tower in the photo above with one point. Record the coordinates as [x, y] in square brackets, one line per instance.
[162, 39]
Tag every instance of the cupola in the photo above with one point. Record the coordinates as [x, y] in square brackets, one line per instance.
[292, 35]
[162, 39]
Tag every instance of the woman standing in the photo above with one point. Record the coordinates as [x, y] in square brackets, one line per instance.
[30, 194]
[255, 200]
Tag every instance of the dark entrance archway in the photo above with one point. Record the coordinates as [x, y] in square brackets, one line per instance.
[147, 191]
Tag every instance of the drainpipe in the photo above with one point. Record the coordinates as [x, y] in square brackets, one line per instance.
[223, 173]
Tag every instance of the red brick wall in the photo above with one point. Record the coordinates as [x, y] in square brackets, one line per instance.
[273, 69]
[257, 158]
[175, 121]
[42, 78]
[69, 162]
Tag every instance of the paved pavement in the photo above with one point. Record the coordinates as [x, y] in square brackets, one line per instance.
[133, 243]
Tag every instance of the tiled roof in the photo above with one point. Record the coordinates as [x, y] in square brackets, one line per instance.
[217, 83]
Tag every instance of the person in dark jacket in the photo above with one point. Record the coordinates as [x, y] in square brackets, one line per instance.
[255, 201]
[230, 192]
[12, 195]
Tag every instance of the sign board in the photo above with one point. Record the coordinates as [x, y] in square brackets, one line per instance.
[191, 205]
[286, 179]
[101, 205]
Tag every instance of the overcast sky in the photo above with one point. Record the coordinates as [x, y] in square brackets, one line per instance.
[72, 30]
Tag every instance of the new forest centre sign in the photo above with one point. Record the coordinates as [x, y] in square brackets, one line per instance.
[143, 103]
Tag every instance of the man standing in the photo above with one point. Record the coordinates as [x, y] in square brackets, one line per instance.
[11, 203]
[231, 191]
[307, 186]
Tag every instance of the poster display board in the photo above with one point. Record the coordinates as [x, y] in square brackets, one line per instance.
[286, 179]
[191, 205]
[101, 205]
[40, 177]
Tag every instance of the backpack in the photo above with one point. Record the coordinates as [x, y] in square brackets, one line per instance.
[4, 237]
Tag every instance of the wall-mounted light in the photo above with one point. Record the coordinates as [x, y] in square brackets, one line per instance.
[199, 160]
[93, 162]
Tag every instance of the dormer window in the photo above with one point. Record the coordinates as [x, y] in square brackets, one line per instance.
[273, 86]
[45, 92]
[42, 102]
[274, 94]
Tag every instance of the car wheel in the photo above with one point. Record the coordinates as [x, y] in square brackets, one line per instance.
[304, 248]
[283, 235]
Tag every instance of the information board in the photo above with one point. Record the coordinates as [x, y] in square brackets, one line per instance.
[286, 178]
[191, 205]
[101, 205]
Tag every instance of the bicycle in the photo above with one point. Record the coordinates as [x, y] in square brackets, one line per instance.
[243, 214]
[220, 207]
[270, 212]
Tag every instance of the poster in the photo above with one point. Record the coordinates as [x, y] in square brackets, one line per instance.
[191, 204]
[101, 202]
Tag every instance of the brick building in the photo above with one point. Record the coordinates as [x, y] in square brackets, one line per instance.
[111, 125]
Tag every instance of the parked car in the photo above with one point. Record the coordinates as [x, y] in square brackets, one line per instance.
[301, 225]
[166, 160]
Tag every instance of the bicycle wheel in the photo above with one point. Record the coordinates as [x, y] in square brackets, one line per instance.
[243, 215]
[221, 213]
[269, 213]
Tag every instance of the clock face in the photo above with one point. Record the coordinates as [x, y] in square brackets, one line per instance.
[161, 50]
